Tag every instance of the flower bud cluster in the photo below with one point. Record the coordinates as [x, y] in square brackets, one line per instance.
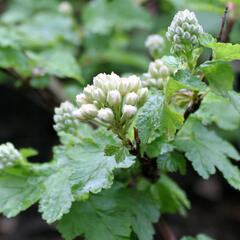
[9, 155]
[64, 119]
[65, 7]
[184, 31]
[155, 44]
[158, 74]
[111, 99]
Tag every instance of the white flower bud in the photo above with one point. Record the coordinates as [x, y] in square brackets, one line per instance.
[99, 95]
[164, 71]
[99, 80]
[81, 99]
[135, 83]
[124, 86]
[142, 96]
[184, 31]
[65, 7]
[88, 91]
[64, 118]
[155, 43]
[129, 111]
[78, 113]
[114, 98]
[131, 98]
[89, 110]
[106, 115]
[9, 155]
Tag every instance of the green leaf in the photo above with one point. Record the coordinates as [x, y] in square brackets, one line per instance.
[112, 213]
[28, 152]
[218, 109]
[219, 75]
[101, 16]
[198, 237]
[39, 82]
[159, 146]
[224, 51]
[48, 29]
[172, 62]
[189, 80]
[120, 152]
[108, 221]
[18, 192]
[156, 116]
[143, 209]
[170, 196]
[13, 58]
[208, 152]
[171, 162]
[235, 99]
[57, 63]
[57, 198]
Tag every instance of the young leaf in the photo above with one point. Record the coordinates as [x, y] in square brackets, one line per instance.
[208, 152]
[189, 80]
[120, 152]
[218, 109]
[170, 196]
[224, 51]
[155, 118]
[219, 75]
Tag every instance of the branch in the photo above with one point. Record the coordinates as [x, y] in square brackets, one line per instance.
[149, 167]
[219, 38]
[163, 228]
[231, 21]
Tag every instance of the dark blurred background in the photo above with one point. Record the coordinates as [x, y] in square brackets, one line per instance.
[99, 36]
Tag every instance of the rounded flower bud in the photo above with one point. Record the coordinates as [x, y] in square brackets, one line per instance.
[124, 86]
[78, 113]
[9, 155]
[64, 118]
[99, 95]
[89, 110]
[114, 98]
[184, 31]
[88, 91]
[99, 80]
[155, 44]
[81, 99]
[131, 98]
[129, 111]
[135, 83]
[158, 73]
[106, 115]
[142, 96]
[65, 7]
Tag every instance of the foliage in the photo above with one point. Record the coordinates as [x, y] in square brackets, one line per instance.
[109, 179]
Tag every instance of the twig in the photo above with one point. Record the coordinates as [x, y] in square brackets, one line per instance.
[230, 23]
[219, 38]
[163, 228]
[149, 167]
